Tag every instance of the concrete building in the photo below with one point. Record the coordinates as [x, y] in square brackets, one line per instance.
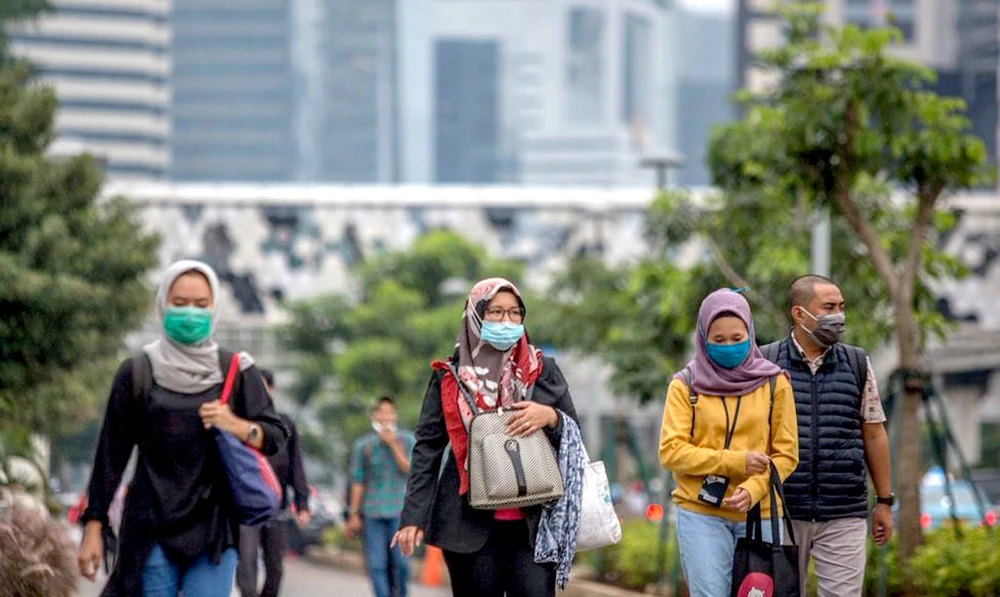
[706, 50]
[233, 89]
[368, 117]
[277, 242]
[109, 63]
[583, 88]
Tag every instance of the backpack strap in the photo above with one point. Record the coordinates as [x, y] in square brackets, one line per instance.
[771, 351]
[142, 379]
[772, 382]
[857, 358]
[692, 396]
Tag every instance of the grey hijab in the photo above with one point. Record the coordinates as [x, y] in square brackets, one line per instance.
[182, 368]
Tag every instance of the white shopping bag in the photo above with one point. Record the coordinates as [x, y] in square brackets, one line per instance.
[599, 525]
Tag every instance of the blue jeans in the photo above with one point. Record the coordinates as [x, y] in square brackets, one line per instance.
[388, 568]
[707, 545]
[163, 578]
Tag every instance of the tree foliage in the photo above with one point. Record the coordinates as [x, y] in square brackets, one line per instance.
[848, 127]
[71, 268]
[380, 339]
[852, 128]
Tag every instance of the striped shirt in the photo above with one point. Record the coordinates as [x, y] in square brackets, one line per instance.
[373, 466]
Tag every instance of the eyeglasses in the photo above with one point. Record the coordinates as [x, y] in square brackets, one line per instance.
[496, 314]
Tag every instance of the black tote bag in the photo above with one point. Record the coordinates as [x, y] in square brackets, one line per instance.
[762, 569]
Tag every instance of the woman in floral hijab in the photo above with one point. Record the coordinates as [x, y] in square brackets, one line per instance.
[488, 552]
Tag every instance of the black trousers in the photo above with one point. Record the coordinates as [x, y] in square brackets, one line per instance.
[270, 538]
[505, 566]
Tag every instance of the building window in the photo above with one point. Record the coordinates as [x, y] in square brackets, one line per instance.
[584, 68]
[878, 13]
[636, 74]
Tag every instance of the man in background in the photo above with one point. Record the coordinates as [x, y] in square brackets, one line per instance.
[270, 537]
[380, 468]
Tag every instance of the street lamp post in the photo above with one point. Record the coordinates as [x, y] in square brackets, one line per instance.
[662, 163]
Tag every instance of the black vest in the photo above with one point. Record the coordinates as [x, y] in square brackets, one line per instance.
[831, 481]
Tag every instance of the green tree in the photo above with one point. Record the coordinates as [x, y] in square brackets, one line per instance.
[881, 153]
[72, 269]
[851, 128]
[380, 339]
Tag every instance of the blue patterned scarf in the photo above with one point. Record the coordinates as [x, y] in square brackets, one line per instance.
[560, 523]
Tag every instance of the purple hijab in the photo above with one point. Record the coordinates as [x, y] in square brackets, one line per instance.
[709, 378]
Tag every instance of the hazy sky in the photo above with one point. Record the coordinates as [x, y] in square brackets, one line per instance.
[710, 5]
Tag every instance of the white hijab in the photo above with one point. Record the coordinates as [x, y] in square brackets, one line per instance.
[181, 368]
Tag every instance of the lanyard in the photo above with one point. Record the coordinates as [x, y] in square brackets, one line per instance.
[736, 416]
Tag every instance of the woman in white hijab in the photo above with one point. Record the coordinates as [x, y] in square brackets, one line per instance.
[179, 530]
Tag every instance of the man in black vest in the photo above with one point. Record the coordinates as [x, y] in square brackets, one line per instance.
[841, 430]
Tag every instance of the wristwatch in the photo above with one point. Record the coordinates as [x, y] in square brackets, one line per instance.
[888, 500]
[253, 433]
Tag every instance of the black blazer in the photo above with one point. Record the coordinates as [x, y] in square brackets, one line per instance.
[435, 506]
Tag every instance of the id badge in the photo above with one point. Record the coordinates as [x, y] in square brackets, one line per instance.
[713, 490]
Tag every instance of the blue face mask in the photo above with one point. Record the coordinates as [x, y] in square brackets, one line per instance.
[728, 356]
[501, 335]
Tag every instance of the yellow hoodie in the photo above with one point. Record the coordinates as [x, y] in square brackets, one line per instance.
[691, 459]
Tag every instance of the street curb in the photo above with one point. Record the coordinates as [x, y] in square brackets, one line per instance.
[354, 562]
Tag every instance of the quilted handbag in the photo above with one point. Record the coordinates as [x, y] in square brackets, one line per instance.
[508, 471]
[599, 524]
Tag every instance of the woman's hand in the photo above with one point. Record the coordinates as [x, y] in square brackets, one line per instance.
[91, 552]
[529, 417]
[217, 414]
[757, 463]
[739, 501]
[408, 538]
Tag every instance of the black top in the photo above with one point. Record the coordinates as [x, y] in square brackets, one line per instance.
[435, 506]
[287, 465]
[179, 497]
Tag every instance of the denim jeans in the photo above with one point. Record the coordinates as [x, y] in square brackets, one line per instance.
[387, 568]
[707, 545]
[163, 578]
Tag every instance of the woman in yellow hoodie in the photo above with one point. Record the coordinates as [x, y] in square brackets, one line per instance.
[721, 429]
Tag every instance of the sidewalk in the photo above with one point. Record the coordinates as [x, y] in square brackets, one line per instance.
[354, 562]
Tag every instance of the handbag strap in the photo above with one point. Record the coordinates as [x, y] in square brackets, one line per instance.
[227, 388]
[463, 390]
[754, 531]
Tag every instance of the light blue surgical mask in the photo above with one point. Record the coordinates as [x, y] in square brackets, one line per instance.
[728, 356]
[501, 335]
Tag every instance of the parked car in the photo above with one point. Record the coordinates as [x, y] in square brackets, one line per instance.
[936, 504]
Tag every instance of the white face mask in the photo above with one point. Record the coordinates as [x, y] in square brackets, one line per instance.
[378, 427]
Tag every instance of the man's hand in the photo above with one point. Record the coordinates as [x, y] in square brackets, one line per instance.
[757, 463]
[387, 436]
[353, 526]
[739, 501]
[882, 524]
[302, 517]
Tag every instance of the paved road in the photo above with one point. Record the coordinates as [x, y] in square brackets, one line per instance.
[305, 579]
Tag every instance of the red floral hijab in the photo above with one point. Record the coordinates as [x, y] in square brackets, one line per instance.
[493, 378]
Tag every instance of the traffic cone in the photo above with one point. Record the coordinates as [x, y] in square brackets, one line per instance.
[432, 573]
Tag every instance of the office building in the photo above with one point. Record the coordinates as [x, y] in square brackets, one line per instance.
[233, 90]
[109, 63]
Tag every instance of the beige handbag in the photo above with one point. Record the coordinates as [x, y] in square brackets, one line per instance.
[507, 471]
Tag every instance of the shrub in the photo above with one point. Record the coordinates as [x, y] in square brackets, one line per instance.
[949, 566]
[632, 563]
